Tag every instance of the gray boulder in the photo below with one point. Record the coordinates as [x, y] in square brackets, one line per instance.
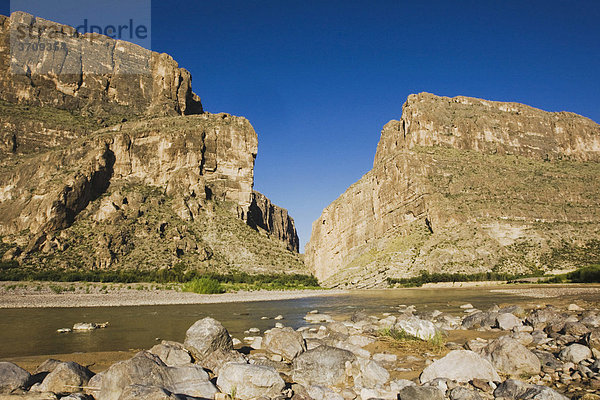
[371, 374]
[514, 389]
[323, 365]
[205, 337]
[147, 369]
[575, 329]
[462, 393]
[507, 321]
[66, 377]
[461, 366]
[546, 317]
[511, 357]
[284, 341]
[191, 380]
[593, 339]
[420, 393]
[172, 353]
[246, 381]
[12, 377]
[575, 353]
[137, 392]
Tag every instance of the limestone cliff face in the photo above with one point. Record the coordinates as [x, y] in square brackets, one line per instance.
[99, 79]
[106, 168]
[89, 73]
[274, 220]
[465, 185]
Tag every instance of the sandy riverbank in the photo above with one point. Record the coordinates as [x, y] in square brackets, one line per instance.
[46, 295]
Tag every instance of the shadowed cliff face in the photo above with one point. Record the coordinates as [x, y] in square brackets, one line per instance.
[466, 185]
[273, 219]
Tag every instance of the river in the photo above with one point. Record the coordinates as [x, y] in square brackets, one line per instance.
[27, 332]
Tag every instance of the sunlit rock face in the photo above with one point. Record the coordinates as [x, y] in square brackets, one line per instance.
[465, 185]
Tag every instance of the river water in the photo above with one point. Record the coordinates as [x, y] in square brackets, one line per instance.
[25, 332]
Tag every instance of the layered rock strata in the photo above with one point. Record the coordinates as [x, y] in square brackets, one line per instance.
[111, 172]
[466, 185]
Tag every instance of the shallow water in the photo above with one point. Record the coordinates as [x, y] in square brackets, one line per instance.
[25, 332]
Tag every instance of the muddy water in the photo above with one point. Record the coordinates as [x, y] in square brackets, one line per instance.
[26, 332]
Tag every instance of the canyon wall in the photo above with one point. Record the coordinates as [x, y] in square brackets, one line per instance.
[466, 185]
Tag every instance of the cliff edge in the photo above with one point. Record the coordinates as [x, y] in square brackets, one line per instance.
[466, 185]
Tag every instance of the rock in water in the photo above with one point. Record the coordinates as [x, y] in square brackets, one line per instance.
[66, 377]
[246, 381]
[323, 365]
[461, 366]
[419, 208]
[511, 357]
[12, 377]
[285, 342]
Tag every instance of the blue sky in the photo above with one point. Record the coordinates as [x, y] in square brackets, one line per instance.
[319, 79]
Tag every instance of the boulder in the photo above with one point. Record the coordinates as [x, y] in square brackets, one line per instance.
[371, 374]
[511, 357]
[66, 377]
[461, 366]
[514, 389]
[191, 380]
[219, 358]
[77, 396]
[145, 369]
[417, 327]
[205, 337]
[507, 321]
[575, 329]
[172, 353]
[29, 396]
[548, 360]
[420, 393]
[323, 365]
[137, 392]
[12, 377]
[462, 393]
[546, 317]
[575, 353]
[593, 339]
[284, 341]
[246, 381]
[322, 393]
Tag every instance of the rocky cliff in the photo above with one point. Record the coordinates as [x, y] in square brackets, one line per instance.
[93, 76]
[144, 186]
[466, 185]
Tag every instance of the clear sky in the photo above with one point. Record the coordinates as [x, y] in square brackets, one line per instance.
[319, 79]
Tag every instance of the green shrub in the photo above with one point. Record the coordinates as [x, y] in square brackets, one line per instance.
[203, 286]
[427, 277]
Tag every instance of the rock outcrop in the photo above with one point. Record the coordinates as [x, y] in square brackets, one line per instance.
[465, 185]
[88, 73]
[114, 167]
[273, 219]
